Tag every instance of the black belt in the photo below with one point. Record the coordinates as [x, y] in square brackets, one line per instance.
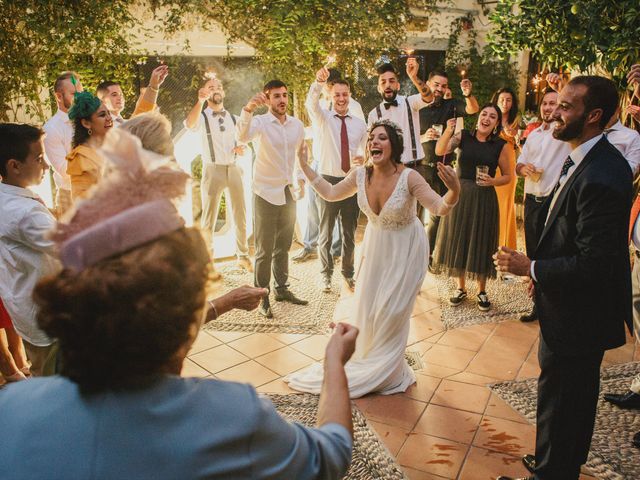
[415, 163]
[536, 198]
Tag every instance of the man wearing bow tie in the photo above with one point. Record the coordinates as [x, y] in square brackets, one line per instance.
[580, 277]
[57, 141]
[219, 170]
[403, 110]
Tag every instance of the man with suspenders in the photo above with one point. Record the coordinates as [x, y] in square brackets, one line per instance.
[219, 169]
[403, 110]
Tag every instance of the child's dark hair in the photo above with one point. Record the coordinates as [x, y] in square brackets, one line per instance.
[15, 141]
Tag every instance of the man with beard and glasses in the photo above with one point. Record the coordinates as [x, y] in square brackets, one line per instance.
[217, 128]
[277, 138]
[402, 110]
[111, 94]
[580, 275]
[433, 121]
[57, 141]
[539, 163]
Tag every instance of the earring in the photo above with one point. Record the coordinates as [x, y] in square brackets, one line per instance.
[495, 130]
[89, 131]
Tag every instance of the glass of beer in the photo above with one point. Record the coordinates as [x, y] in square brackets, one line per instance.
[481, 169]
[535, 176]
[439, 128]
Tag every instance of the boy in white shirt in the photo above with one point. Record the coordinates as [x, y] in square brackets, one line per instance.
[26, 254]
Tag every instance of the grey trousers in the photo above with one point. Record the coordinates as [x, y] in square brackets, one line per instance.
[215, 179]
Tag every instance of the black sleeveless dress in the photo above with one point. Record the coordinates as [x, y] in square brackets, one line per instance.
[468, 236]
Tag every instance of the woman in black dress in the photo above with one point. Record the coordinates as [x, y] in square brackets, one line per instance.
[468, 236]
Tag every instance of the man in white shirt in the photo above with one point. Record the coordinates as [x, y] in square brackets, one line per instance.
[217, 128]
[625, 139]
[111, 94]
[402, 110]
[340, 142]
[540, 163]
[26, 252]
[59, 133]
[277, 138]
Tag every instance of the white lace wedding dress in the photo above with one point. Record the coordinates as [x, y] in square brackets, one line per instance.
[389, 274]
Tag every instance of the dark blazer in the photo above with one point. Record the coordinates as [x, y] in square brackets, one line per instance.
[583, 287]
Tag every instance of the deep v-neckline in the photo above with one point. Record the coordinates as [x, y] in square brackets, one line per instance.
[366, 194]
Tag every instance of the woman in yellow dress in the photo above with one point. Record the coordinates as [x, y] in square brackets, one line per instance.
[507, 101]
[91, 122]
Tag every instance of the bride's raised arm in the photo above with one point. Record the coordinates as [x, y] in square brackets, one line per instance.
[436, 204]
[332, 193]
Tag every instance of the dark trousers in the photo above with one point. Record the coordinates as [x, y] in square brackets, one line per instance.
[430, 174]
[567, 399]
[532, 221]
[348, 212]
[273, 233]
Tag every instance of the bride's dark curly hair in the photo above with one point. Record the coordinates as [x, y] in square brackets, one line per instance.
[394, 133]
[121, 321]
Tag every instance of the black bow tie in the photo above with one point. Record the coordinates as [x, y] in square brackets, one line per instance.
[221, 113]
[388, 105]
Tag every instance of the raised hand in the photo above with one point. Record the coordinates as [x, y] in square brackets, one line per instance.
[555, 81]
[451, 125]
[158, 76]
[465, 86]
[448, 176]
[205, 92]
[412, 67]
[322, 75]
[256, 101]
[633, 77]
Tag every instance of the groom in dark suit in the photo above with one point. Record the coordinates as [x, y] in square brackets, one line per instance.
[580, 277]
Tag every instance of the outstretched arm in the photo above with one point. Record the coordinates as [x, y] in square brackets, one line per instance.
[332, 193]
[429, 199]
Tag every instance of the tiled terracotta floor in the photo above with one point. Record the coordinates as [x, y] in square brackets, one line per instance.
[448, 425]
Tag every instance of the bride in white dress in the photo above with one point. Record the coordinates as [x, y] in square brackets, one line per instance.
[393, 263]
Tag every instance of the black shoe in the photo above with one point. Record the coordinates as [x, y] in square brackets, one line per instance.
[265, 308]
[636, 440]
[304, 255]
[529, 462]
[326, 283]
[624, 400]
[458, 297]
[530, 317]
[351, 283]
[504, 477]
[286, 295]
[483, 302]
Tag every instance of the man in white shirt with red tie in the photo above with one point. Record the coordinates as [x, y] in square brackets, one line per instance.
[277, 138]
[57, 141]
[402, 110]
[340, 141]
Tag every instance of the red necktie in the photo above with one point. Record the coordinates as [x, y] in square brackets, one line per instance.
[635, 210]
[344, 145]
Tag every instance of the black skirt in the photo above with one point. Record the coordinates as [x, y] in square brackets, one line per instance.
[468, 236]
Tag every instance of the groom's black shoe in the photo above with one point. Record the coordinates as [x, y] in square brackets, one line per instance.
[529, 461]
[624, 400]
[530, 317]
[504, 477]
[286, 295]
[636, 440]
